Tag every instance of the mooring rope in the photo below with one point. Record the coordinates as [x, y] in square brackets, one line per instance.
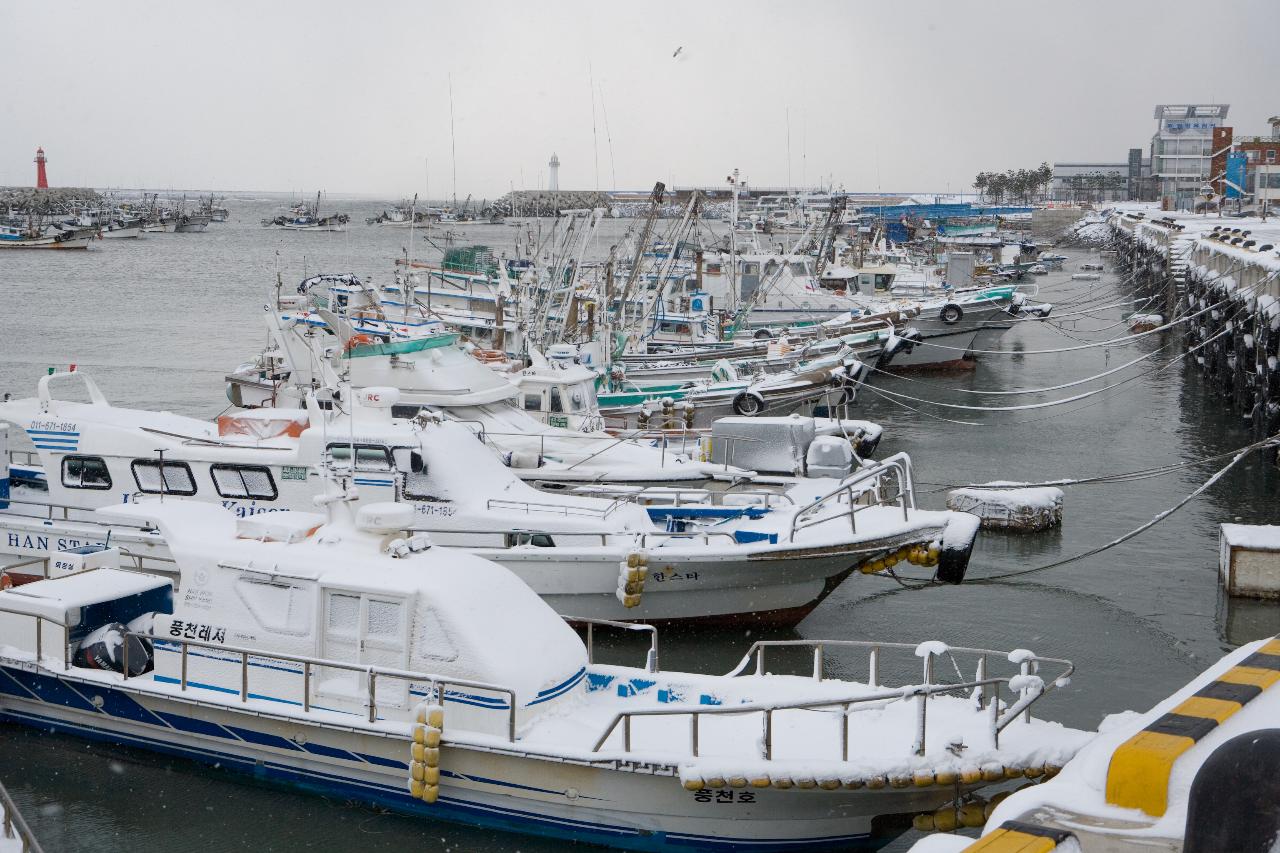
[1273, 441]
[1095, 344]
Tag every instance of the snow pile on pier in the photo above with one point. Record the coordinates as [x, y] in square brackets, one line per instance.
[1092, 230]
[1009, 506]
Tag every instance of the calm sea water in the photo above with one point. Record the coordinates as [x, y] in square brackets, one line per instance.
[159, 321]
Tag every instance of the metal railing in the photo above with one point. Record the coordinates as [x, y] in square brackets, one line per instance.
[40, 620]
[705, 535]
[68, 508]
[984, 686]
[438, 684]
[529, 507]
[13, 826]
[651, 658]
[137, 565]
[513, 531]
[899, 464]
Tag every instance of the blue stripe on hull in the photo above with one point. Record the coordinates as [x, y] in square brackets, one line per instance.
[393, 797]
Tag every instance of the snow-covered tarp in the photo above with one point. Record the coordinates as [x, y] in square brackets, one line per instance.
[1009, 506]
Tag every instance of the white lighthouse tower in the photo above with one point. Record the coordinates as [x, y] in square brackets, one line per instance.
[554, 166]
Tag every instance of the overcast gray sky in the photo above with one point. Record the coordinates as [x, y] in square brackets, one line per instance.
[354, 96]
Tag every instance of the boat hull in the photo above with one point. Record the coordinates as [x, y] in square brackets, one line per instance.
[628, 805]
[79, 242]
[768, 585]
[331, 228]
[125, 233]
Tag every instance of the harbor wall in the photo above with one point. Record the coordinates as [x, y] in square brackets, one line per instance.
[1049, 223]
[1230, 293]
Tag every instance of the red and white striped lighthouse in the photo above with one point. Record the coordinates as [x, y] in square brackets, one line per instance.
[42, 180]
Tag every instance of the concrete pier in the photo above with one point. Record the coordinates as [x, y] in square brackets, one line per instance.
[1224, 275]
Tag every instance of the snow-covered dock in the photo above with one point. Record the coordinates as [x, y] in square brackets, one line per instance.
[1218, 280]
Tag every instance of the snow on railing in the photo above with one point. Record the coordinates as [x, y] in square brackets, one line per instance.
[651, 658]
[13, 826]
[899, 464]
[438, 684]
[1029, 686]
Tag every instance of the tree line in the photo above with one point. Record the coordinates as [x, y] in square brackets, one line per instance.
[1023, 185]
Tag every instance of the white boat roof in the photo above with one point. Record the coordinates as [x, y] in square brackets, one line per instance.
[480, 609]
[60, 599]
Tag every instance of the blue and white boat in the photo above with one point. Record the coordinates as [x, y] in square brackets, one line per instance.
[347, 656]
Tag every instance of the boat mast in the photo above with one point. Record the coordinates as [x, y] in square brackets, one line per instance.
[453, 146]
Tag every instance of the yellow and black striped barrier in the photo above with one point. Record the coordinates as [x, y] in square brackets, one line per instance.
[1138, 777]
[1014, 836]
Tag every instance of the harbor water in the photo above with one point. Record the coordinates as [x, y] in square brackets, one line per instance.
[159, 321]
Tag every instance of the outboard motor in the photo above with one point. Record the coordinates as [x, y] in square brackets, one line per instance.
[1234, 803]
[866, 442]
[903, 343]
[105, 649]
[829, 456]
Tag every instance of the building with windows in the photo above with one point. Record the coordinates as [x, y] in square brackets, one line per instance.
[1099, 182]
[1182, 150]
[1261, 157]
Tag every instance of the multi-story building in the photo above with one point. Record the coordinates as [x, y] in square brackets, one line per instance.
[1182, 151]
[1100, 182]
[1261, 156]
[1089, 182]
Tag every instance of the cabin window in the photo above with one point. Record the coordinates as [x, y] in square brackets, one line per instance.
[385, 619]
[369, 457]
[282, 608]
[244, 481]
[578, 397]
[882, 282]
[537, 540]
[557, 405]
[751, 268]
[85, 472]
[798, 268]
[432, 639]
[715, 269]
[344, 614]
[173, 479]
[415, 479]
[533, 402]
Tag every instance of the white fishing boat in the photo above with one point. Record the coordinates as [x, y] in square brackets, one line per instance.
[109, 224]
[121, 229]
[304, 217]
[192, 223]
[26, 236]
[347, 656]
[431, 369]
[772, 557]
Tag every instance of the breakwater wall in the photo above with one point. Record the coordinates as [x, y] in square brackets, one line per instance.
[1222, 279]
